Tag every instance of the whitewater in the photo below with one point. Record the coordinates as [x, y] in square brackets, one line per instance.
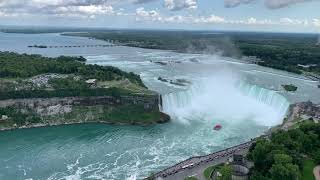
[226, 99]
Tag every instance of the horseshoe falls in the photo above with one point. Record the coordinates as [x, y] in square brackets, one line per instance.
[226, 100]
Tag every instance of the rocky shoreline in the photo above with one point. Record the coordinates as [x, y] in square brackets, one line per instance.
[164, 119]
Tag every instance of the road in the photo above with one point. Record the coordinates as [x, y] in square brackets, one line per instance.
[196, 165]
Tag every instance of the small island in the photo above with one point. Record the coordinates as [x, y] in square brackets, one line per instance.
[38, 91]
[290, 88]
[177, 82]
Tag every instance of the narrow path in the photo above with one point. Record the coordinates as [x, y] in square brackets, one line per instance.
[316, 172]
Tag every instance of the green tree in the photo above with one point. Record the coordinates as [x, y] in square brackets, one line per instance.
[316, 156]
[226, 173]
[256, 175]
[260, 155]
[283, 169]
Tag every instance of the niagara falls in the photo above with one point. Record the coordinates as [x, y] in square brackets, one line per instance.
[198, 92]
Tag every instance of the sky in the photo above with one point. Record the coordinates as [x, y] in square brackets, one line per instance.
[235, 15]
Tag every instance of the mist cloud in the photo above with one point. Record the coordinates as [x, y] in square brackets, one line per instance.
[175, 5]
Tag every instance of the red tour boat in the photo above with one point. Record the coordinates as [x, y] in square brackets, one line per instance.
[217, 127]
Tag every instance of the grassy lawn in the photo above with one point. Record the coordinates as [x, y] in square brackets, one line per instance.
[307, 172]
[207, 172]
[190, 178]
[124, 84]
[299, 122]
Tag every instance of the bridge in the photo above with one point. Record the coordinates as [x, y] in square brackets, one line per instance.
[72, 46]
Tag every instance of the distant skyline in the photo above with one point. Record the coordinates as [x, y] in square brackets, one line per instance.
[235, 15]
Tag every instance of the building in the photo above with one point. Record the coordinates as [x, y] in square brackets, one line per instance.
[4, 118]
[240, 168]
[91, 81]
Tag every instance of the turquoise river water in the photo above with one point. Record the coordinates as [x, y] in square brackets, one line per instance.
[245, 99]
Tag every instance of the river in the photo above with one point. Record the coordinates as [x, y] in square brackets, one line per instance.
[245, 99]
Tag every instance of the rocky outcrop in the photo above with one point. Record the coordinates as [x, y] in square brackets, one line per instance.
[304, 110]
[300, 112]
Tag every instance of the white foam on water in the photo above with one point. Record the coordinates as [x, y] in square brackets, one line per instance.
[227, 98]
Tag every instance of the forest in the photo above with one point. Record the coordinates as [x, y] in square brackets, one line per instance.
[286, 153]
[13, 65]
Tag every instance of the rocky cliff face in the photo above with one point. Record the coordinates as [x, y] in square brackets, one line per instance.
[105, 109]
[149, 102]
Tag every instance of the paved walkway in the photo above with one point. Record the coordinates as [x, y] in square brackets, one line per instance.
[316, 172]
[196, 165]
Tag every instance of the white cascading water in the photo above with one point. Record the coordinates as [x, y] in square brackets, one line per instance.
[227, 99]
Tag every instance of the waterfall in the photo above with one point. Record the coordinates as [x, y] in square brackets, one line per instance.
[269, 97]
[226, 100]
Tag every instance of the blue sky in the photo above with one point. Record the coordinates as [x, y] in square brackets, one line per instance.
[243, 15]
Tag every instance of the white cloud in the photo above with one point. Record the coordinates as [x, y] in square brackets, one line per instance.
[98, 8]
[175, 5]
[142, 1]
[288, 21]
[142, 14]
[234, 3]
[275, 4]
[87, 10]
[210, 19]
[252, 20]
[316, 22]
[272, 4]
[68, 8]
[153, 15]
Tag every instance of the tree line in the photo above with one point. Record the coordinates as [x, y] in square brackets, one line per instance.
[13, 65]
[24, 94]
[281, 157]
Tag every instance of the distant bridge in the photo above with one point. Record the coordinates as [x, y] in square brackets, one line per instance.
[73, 46]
